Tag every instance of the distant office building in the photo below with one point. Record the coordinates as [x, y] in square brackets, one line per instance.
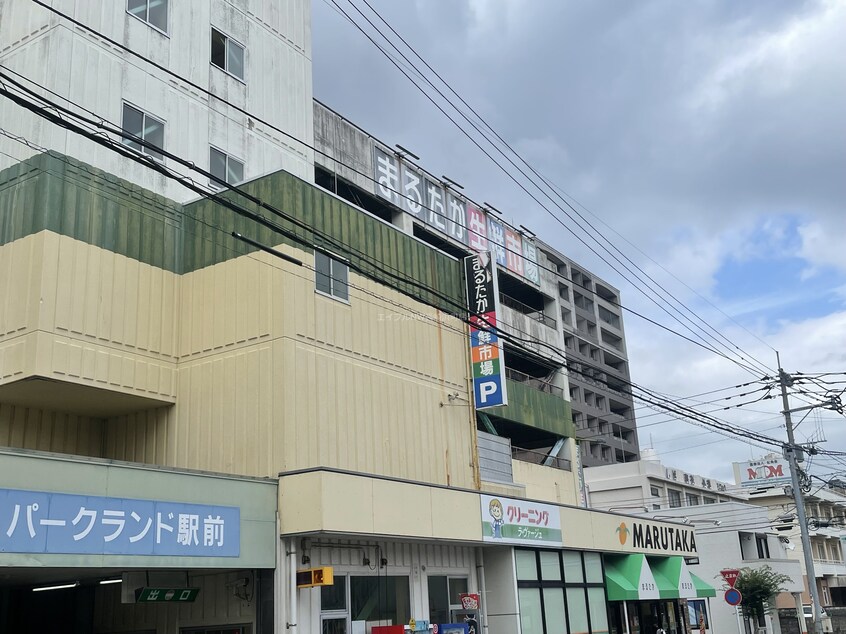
[649, 486]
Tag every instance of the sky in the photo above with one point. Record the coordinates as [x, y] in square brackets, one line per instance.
[706, 141]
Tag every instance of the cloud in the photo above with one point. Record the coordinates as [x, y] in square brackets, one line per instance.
[709, 135]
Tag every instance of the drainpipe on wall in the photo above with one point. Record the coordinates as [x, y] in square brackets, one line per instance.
[291, 624]
[480, 575]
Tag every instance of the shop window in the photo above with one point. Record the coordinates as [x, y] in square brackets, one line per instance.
[695, 612]
[334, 597]
[554, 611]
[333, 607]
[573, 567]
[593, 568]
[552, 605]
[577, 607]
[331, 276]
[550, 566]
[527, 567]
[597, 607]
[531, 617]
[378, 598]
[445, 596]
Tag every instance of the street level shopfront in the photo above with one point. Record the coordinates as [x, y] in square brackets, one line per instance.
[649, 592]
[416, 549]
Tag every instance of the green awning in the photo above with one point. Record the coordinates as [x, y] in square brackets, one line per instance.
[638, 578]
[665, 571]
[629, 578]
[702, 589]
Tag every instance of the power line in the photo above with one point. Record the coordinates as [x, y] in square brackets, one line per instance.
[121, 149]
[243, 111]
[523, 173]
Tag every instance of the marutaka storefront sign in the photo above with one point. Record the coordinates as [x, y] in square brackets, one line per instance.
[59, 523]
[485, 344]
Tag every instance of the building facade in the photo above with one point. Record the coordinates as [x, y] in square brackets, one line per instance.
[649, 486]
[207, 99]
[203, 399]
[765, 481]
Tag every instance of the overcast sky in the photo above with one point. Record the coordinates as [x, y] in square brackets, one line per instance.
[706, 140]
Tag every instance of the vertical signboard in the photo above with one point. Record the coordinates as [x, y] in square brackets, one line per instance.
[530, 263]
[456, 219]
[477, 229]
[496, 237]
[485, 345]
[514, 252]
[436, 211]
[412, 190]
[388, 177]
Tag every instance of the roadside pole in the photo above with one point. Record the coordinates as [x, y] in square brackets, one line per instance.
[785, 380]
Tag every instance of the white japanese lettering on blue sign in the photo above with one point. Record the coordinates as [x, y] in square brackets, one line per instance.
[40, 522]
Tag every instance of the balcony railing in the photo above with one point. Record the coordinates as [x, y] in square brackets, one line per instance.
[533, 382]
[523, 309]
[538, 457]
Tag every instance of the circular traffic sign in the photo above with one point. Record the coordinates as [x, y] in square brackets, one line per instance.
[733, 596]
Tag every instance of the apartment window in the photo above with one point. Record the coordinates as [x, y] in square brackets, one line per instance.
[227, 54]
[140, 125]
[153, 12]
[692, 500]
[331, 276]
[654, 492]
[224, 167]
[674, 498]
[444, 596]
[763, 547]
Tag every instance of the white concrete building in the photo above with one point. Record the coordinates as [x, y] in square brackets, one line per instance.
[825, 510]
[254, 55]
[649, 486]
[739, 535]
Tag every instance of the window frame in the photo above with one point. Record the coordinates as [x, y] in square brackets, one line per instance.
[146, 21]
[227, 40]
[127, 141]
[563, 584]
[332, 261]
[228, 157]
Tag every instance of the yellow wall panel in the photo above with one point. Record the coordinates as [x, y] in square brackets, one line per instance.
[43, 430]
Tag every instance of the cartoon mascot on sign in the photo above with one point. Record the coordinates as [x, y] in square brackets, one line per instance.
[497, 513]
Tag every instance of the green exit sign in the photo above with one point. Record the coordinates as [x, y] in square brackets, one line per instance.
[161, 595]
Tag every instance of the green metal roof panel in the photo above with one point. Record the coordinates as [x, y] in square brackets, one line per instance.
[534, 408]
[54, 192]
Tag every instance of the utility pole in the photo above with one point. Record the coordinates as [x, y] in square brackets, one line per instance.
[785, 381]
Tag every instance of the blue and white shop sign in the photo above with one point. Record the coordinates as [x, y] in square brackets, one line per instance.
[59, 523]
